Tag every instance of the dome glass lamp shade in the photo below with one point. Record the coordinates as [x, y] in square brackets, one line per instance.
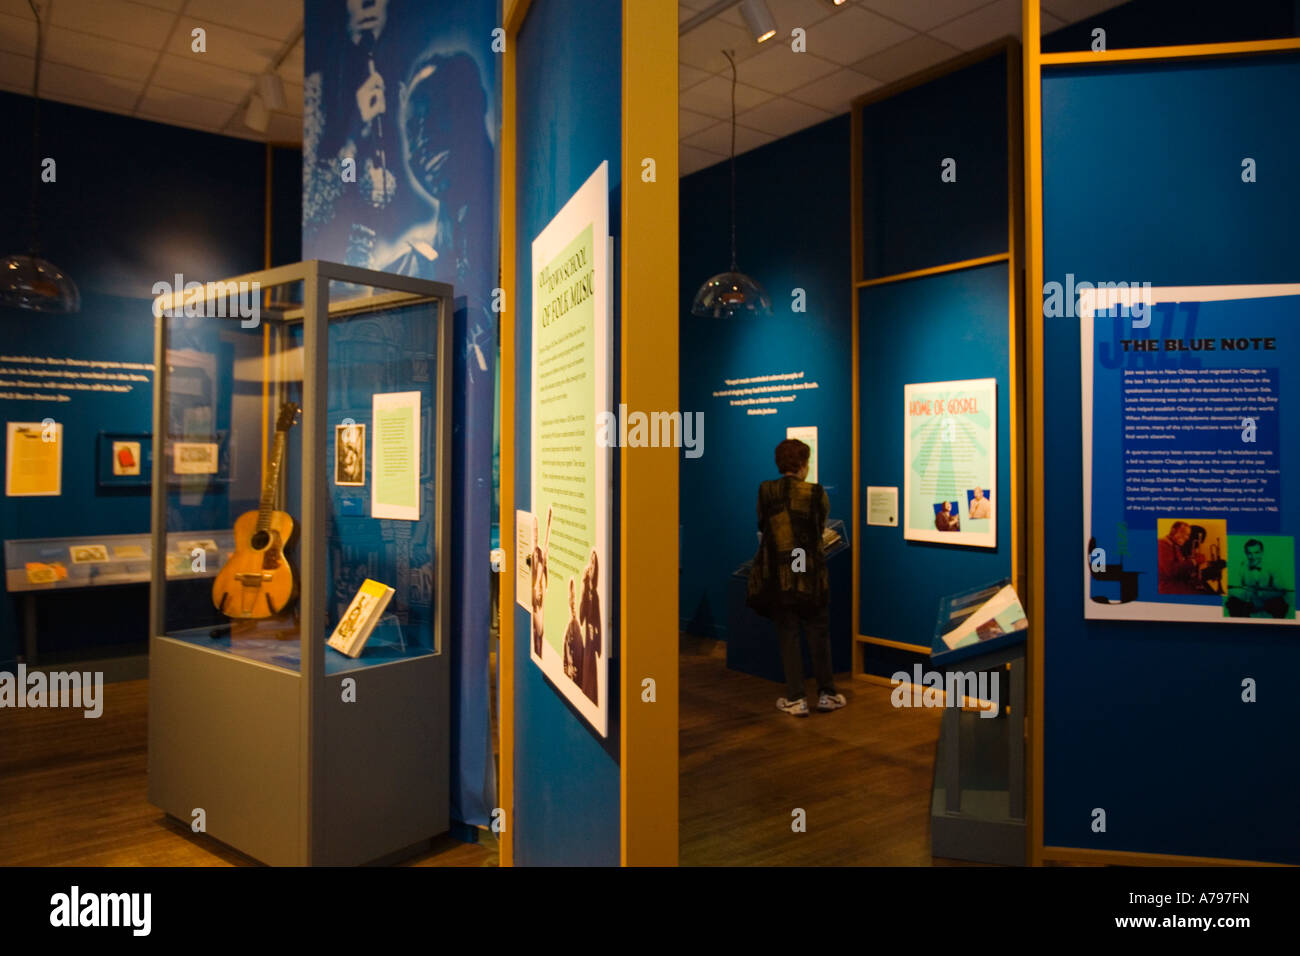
[26, 280]
[29, 282]
[731, 293]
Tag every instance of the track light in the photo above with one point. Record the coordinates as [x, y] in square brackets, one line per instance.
[759, 19]
[257, 117]
[271, 88]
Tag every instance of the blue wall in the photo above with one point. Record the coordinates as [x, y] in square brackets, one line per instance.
[792, 231]
[944, 327]
[133, 203]
[567, 787]
[1146, 719]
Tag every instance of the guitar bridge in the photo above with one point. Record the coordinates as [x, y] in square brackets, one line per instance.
[253, 579]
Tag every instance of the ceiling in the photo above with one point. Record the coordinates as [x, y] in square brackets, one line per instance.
[851, 50]
[133, 57]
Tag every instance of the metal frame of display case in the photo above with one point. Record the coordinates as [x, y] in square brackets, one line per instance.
[283, 769]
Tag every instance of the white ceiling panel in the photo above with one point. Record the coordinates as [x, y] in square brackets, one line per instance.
[717, 139]
[16, 72]
[97, 54]
[911, 56]
[691, 159]
[279, 21]
[702, 47]
[173, 106]
[193, 74]
[713, 97]
[835, 92]
[117, 20]
[111, 92]
[779, 69]
[245, 52]
[923, 14]
[689, 121]
[853, 33]
[782, 116]
[18, 35]
[999, 19]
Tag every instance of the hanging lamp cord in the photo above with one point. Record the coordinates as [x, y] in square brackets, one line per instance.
[36, 129]
[731, 59]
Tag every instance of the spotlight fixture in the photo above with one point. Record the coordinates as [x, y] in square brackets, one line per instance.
[257, 116]
[271, 88]
[26, 280]
[759, 19]
[731, 293]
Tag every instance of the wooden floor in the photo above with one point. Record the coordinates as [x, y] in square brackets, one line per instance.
[861, 774]
[72, 793]
[72, 790]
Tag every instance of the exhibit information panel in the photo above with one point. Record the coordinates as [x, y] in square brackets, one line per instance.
[570, 466]
[1188, 504]
[950, 438]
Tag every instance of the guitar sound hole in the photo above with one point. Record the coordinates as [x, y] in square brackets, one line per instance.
[260, 540]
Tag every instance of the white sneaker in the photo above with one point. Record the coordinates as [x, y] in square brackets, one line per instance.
[796, 708]
[830, 702]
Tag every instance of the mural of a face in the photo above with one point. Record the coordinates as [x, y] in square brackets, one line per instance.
[367, 16]
[442, 117]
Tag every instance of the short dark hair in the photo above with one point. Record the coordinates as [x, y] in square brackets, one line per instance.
[791, 455]
[1253, 543]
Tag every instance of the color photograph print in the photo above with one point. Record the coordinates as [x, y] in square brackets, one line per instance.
[126, 458]
[1190, 555]
[1261, 577]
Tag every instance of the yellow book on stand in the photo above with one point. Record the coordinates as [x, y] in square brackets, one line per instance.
[360, 618]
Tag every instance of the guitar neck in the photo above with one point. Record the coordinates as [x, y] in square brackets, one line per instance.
[272, 481]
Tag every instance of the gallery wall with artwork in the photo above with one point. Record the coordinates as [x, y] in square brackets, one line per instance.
[401, 122]
[1170, 546]
[92, 371]
[936, 375]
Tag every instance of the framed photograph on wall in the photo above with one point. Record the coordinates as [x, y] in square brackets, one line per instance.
[124, 460]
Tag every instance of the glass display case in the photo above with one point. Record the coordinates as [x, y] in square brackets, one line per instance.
[298, 685]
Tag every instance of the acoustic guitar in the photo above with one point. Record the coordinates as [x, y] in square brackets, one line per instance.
[257, 581]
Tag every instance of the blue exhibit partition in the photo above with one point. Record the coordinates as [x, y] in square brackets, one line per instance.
[791, 239]
[936, 242]
[932, 329]
[1142, 181]
[566, 776]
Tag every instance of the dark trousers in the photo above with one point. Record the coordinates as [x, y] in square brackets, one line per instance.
[817, 630]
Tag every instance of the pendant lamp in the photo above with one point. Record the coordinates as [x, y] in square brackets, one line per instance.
[731, 293]
[26, 280]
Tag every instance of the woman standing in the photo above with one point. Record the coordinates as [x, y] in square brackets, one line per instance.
[789, 583]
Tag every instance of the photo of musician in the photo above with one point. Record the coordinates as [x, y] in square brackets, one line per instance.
[349, 454]
[1184, 563]
[541, 549]
[573, 638]
[1261, 581]
[589, 618]
[978, 504]
[946, 517]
